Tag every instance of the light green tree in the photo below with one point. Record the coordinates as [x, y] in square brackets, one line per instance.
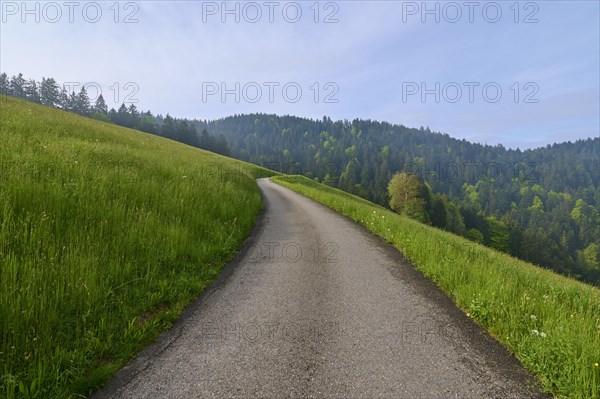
[406, 196]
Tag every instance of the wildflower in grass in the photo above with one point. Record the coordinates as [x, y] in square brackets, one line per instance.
[543, 334]
[533, 317]
[546, 297]
[596, 364]
[535, 332]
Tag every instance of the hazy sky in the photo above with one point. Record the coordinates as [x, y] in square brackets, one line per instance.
[524, 74]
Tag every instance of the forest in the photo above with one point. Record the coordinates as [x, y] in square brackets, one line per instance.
[540, 205]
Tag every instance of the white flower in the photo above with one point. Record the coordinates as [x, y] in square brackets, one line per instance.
[543, 335]
[535, 332]
[533, 317]
[546, 297]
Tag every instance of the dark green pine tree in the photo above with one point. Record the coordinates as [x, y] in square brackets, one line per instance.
[17, 86]
[50, 92]
[100, 106]
[31, 91]
[122, 116]
[206, 140]
[4, 84]
[134, 116]
[82, 102]
[168, 127]
[148, 123]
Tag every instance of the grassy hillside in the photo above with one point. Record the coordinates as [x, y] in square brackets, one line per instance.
[550, 322]
[105, 235]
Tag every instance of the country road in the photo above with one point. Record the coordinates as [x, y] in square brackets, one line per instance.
[318, 307]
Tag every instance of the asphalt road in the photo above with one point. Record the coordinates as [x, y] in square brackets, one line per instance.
[317, 307]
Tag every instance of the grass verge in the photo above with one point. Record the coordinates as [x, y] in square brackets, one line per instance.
[550, 322]
[106, 234]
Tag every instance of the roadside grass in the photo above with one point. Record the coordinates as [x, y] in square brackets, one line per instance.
[550, 322]
[106, 234]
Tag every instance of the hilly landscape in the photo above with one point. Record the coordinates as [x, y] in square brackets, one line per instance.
[540, 205]
[109, 233]
[299, 199]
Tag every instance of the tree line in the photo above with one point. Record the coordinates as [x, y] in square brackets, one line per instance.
[49, 92]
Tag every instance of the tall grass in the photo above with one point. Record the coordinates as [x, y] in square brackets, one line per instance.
[550, 322]
[105, 235]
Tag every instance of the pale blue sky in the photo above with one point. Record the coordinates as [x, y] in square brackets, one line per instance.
[374, 53]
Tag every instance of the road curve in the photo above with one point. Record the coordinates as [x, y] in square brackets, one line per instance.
[318, 307]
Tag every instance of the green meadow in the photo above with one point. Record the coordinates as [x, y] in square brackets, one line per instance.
[550, 322]
[106, 234]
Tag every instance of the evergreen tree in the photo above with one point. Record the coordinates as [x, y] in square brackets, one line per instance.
[122, 116]
[112, 115]
[82, 102]
[31, 91]
[134, 116]
[50, 92]
[4, 84]
[100, 106]
[148, 123]
[221, 146]
[206, 140]
[168, 127]
[185, 133]
[438, 213]
[17, 86]
[72, 102]
[64, 99]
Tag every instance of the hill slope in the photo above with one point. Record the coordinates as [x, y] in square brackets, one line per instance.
[105, 235]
